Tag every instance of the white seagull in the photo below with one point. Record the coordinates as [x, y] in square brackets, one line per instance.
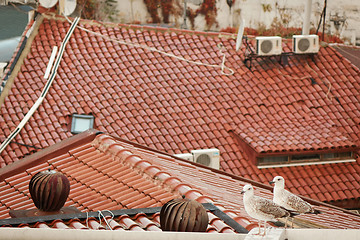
[262, 209]
[289, 200]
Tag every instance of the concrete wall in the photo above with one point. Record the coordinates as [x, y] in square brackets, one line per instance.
[257, 13]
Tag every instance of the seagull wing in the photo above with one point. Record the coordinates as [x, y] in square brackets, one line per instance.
[269, 207]
[298, 204]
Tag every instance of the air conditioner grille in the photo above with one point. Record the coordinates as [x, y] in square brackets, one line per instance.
[266, 46]
[203, 159]
[304, 44]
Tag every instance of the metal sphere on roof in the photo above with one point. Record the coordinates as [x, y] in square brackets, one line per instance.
[49, 190]
[183, 215]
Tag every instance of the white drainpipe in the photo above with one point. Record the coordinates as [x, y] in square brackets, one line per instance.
[307, 15]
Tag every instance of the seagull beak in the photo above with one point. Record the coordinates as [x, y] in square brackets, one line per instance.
[271, 182]
[242, 192]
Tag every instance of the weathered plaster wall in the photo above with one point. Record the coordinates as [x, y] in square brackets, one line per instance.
[257, 13]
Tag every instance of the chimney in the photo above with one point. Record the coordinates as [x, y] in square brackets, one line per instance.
[307, 14]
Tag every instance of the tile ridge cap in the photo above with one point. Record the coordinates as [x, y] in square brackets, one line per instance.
[110, 145]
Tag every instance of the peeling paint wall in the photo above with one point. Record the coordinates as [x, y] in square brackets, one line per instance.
[342, 16]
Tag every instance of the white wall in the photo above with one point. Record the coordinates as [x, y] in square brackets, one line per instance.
[256, 13]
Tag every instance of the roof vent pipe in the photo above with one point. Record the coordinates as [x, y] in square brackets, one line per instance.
[49, 190]
[306, 23]
[183, 215]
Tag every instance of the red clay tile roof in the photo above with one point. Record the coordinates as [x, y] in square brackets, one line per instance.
[177, 106]
[107, 173]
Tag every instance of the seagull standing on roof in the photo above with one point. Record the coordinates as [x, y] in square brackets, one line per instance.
[289, 200]
[262, 209]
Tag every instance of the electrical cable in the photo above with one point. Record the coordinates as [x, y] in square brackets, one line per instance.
[101, 215]
[45, 90]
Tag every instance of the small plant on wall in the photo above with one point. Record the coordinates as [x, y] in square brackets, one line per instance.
[103, 10]
[168, 7]
[208, 9]
[154, 5]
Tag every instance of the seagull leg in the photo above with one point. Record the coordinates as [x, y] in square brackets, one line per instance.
[264, 228]
[259, 227]
[286, 220]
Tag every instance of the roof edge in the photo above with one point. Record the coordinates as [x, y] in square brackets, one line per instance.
[141, 27]
[17, 59]
[48, 153]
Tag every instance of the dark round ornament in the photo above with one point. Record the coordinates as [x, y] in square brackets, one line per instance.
[49, 190]
[183, 215]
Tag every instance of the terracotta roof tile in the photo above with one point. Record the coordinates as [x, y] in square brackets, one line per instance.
[177, 106]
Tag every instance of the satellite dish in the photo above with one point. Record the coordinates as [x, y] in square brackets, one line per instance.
[69, 7]
[240, 34]
[48, 3]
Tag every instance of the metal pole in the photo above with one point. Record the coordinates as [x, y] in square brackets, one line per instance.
[306, 23]
[323, 34]
[184, 23]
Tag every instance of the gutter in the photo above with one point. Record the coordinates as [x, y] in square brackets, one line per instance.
[272, 234]
[74, 234]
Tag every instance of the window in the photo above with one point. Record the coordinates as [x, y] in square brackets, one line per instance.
[81, 123]
[304, 158]
[337, 155]
[267, 160]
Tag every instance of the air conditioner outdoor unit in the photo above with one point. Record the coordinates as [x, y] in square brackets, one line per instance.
[186, 156]
[207, 157]
[305, 44]
[266, 46]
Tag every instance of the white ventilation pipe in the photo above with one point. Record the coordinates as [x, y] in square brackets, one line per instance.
[307, 15]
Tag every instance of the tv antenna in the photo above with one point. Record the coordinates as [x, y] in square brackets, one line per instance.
[69, 7]
[66, 7]
[48, 3]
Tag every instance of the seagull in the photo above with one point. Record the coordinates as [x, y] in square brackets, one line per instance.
[289, 200]
[262, 209]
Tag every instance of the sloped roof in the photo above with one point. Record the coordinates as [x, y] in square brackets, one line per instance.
[350, 52]
[108, 173]
[164, 102]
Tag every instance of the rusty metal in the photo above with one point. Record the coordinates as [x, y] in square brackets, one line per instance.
[183, 215]
[49, 190]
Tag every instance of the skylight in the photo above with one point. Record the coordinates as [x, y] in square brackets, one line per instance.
[81, 123]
